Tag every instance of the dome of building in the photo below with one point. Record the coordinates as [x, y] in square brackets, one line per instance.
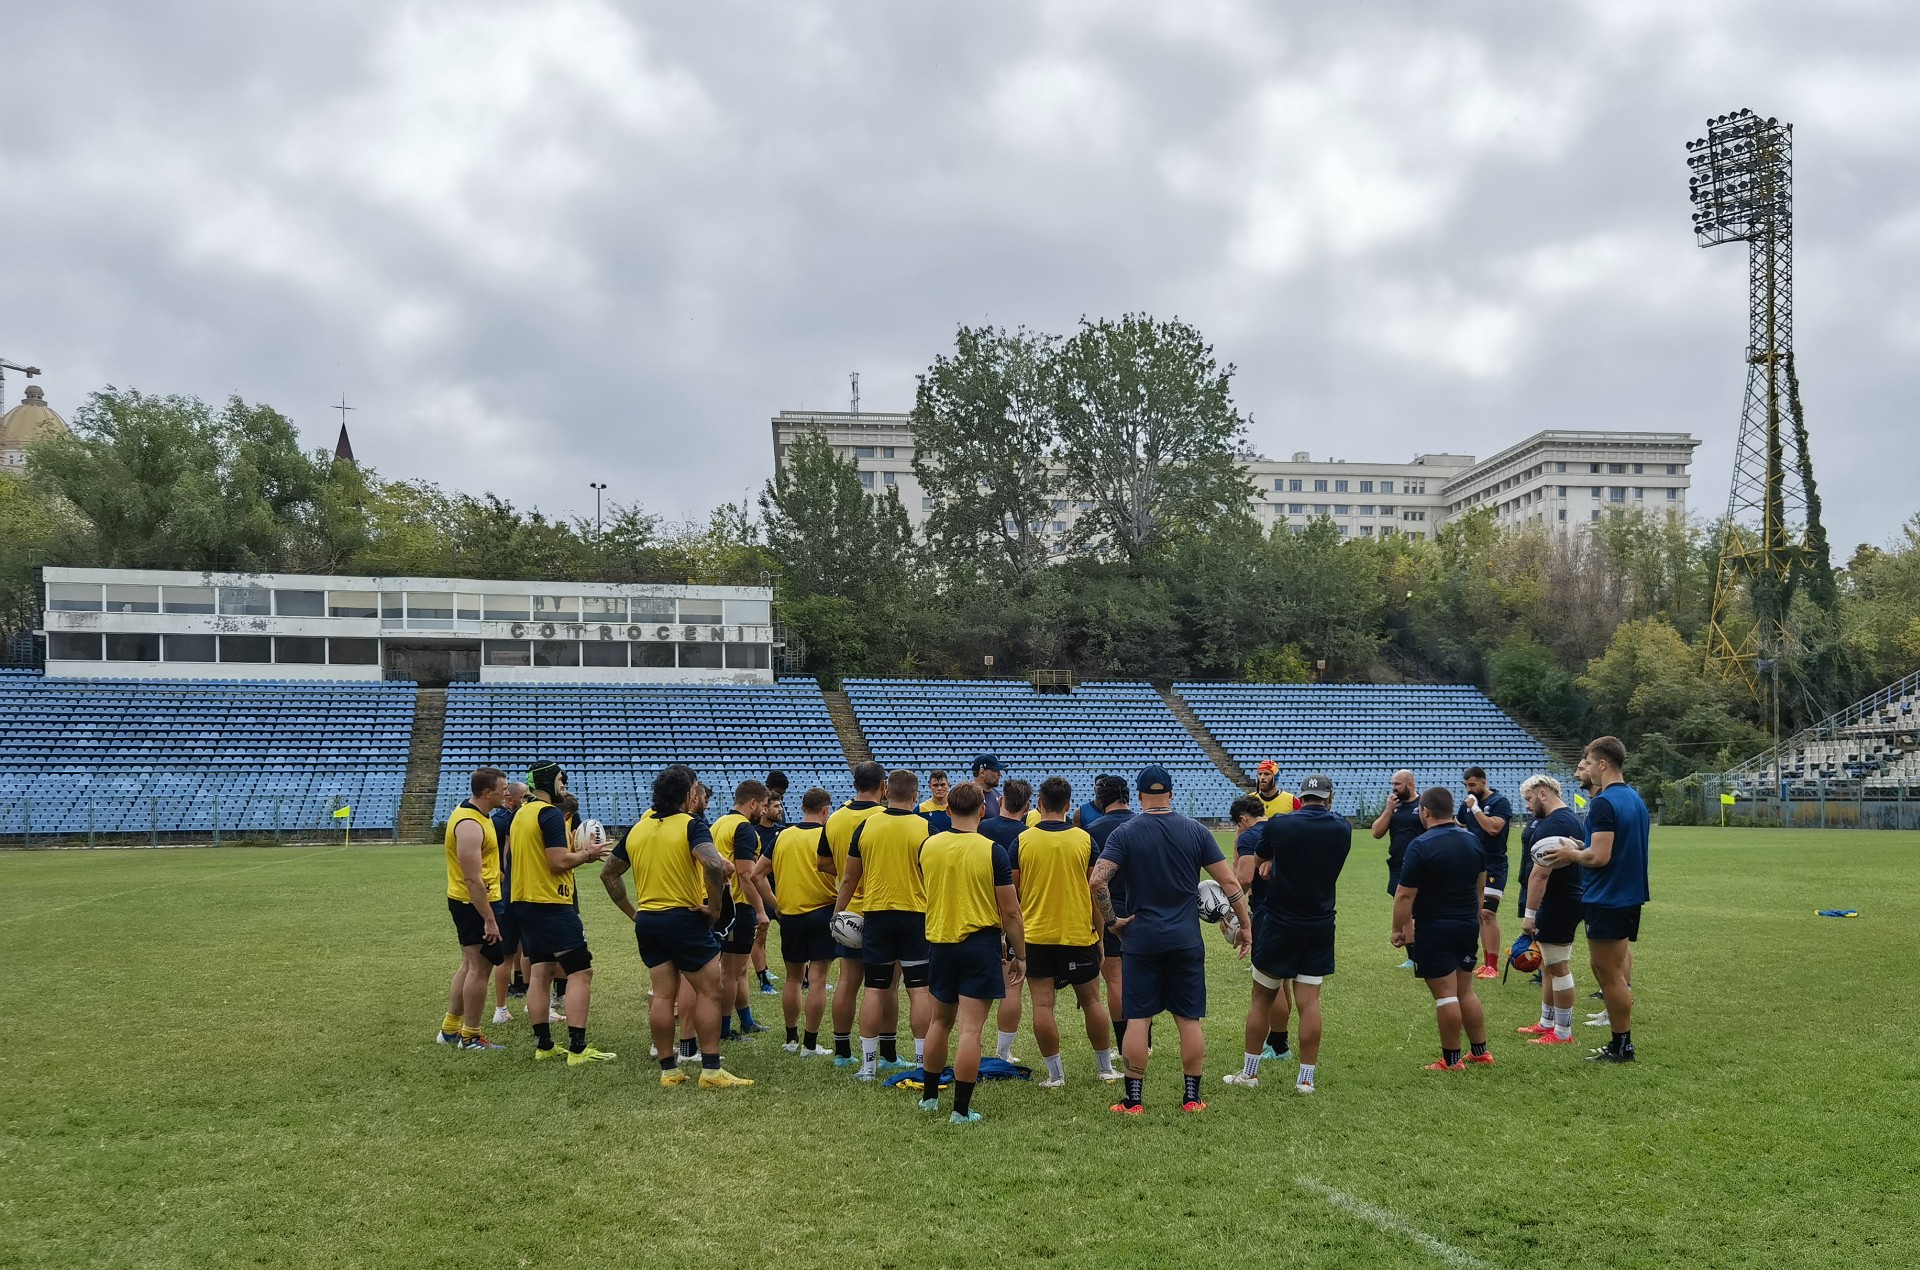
[32, 420]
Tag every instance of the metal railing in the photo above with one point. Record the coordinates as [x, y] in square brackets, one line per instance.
[154, 820]
[1802, 804]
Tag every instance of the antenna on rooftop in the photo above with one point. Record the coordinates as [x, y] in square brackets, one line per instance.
[856, 391]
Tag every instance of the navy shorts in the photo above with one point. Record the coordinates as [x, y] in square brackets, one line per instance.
[1497, 870]
[890, 935]
[547, 930]
[1066, 965]
[1156, 982]
[1110, 944]
[737, 936]
[808, 937]
[970, 968]
[1557, 922]
[1283, 950]
[1393, 878]
[1441, 947]
[679, 935]
[470, 930]
[1604, 921]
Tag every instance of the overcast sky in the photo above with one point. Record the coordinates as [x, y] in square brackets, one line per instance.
[539, 244]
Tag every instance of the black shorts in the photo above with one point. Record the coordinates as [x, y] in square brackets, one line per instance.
[1284, 950]
[1393, 878]
[888, 935]
[1155, 982]
[970, 968]
[1066, 965]
[547, 930]
[1110, 944]
[1442, 947]
[737, 938]
[806, 937]
[471, 931]
[679, 935]
[1604, 921]
[1557, 922]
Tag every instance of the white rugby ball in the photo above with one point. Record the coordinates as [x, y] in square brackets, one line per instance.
[1545, 845]
[1213, 902]
[588, 833]
[848, 930]
[1230, 930]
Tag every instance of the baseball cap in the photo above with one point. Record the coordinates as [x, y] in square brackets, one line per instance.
[1316, 786]
[1267, 768]
[1154, 780]
[986, 760]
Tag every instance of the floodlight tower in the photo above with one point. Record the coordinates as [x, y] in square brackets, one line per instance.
[1742, 190]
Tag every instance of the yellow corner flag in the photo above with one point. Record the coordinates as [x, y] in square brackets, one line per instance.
[342, 813]
[1728, 800]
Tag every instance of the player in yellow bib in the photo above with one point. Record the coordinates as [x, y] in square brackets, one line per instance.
[1266, 787]
[804, 898]
[883, 864]
[544, 859]
[1050, 868]
[473, 899]
[869, 780]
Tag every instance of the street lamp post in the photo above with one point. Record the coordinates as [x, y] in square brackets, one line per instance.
[598, 486]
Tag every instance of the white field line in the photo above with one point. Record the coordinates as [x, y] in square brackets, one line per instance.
[154, 886]
[1388, 1220]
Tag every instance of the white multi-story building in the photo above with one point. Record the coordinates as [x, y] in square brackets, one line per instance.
[131, 623]
[1552, 478]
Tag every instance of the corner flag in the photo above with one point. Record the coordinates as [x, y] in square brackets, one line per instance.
[1726, 801]
[342, 813]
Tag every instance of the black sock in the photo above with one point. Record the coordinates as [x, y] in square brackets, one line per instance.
[962, 1096]
[843, 1045]
[809, 1040]
[1479, 1048]
[726, 1026]
[1149, 1033]
[930, 1087]
[1119, 1033]
[576, 1038]
[689, 1046]
[764, 981]
[793, 1035]
[669, 1063]
[890, 1049]
[1277, 1042]
[1622, 1041]
[1134, 1090]
[1193, 1089]
[1451, 1057]
[543, 1036]
[710, 1062]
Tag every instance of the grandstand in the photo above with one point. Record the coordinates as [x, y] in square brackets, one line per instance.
[614, 738]
[154, 756]
[1358, 734]
[1094, 728]
[1870, 750]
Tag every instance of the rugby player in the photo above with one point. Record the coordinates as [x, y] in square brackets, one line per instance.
[544, 908]
[1056, 911]
[1266, 787]
[680, 888]
[1436, 916]
[1293, 943]
[883, 865]
[804, 900]
[1005, 829]
[1249, 816]
[736, 836]
[1399, 823]
[986, 774]
[1488, 815]
[510, 976]
[971, 907]
[869, 784]
[1614, 864]
[1110, 799]
[473, 899]
[772, 819]
[1160, 855]
[1551, 909]
[935, 808]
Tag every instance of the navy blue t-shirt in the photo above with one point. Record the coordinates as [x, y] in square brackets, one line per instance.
[1403, 826]
[1006, 833]
[1622, 882]
[502, 818]
[1161, 856]
[1444, 865]
[1308, 848]
[1564, 885]
[1100, 830]
[1492, 845]
[938, 821]
[1248, 843]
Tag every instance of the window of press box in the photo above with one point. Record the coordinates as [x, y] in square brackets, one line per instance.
[186, 599]
[393, 608]
[124, 646]
[556, 608]
[701, 656]
[245, 601]
[467, 607]
[653, 655]
[556, 653]
[652, 610]
[749, 656]
[249, 649]
[192, 648]
[353, 652]
[133, 599]
[701, 612]
[603, 653]
[603, 608]
[430, 610]
[507, 652]
[749, 613]
[507, 608]
[73, 646]
[300, 650]
[300, 603]
[353, 604]
[74, 597]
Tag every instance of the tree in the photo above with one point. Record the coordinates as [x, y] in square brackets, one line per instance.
[1650, 689]
[34, 523]
[983, 438]
[1147, 434]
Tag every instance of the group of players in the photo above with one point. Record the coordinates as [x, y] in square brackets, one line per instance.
[985, 887]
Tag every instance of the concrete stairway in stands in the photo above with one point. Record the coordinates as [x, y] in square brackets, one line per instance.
[423, 766]
[847, 724]
[1214, 750]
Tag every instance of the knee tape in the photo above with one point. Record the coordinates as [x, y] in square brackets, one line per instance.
[1267, 981]
[1311, 981]
[1441, 1003]
[574, 960]
[914, 973]
[880, 976]
[1563, 983]
[1554, 954]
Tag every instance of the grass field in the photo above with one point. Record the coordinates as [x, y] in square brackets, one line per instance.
[224, 1057]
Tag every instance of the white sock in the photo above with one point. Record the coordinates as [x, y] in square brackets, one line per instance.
[1005, 1051]
[1056, 1069]
[1546, 1015]
[1306, 1073]
[869, 1053]
[1251, 1066]
[919, 1049]
[1563, 1022]
[1103, 1061]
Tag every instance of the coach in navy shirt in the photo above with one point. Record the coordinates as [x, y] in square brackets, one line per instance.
[1614, 869]
[1161, 854]
[1399, 823]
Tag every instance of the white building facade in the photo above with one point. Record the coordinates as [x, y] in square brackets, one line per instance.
[1553, 478]
[132, 623]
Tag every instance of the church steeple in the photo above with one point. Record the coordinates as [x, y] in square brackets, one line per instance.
[343, 448]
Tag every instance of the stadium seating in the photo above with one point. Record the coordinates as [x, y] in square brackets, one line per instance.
[186, 756]
[614, 738]
[1358, 734]
[1871, 748]
[1096, 728]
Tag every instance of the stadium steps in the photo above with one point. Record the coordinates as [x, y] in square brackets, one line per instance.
[1214, 750]
[423, 765]
[1564, 750]
[852, 739]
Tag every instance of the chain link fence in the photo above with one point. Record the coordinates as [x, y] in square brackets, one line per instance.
[45, 821]
[1819, 804]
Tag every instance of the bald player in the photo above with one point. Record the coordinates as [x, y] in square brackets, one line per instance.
[1399, 823]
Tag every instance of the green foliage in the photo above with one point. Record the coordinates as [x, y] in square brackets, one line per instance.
[1283, 665]
[1524, 676]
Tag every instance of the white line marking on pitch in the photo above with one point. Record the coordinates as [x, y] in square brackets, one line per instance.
[154, 886]
[1387, 1219]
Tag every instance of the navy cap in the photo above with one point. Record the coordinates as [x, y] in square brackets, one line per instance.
[1154, 780]
[986, 760]
[1316, 786]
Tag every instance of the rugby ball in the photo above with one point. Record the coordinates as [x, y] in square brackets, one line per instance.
[588, 833]
[1213, 902]
[1545, 845]
[847, 930]
[1230, 930]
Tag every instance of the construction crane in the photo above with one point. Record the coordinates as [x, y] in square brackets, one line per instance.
[5, 366]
